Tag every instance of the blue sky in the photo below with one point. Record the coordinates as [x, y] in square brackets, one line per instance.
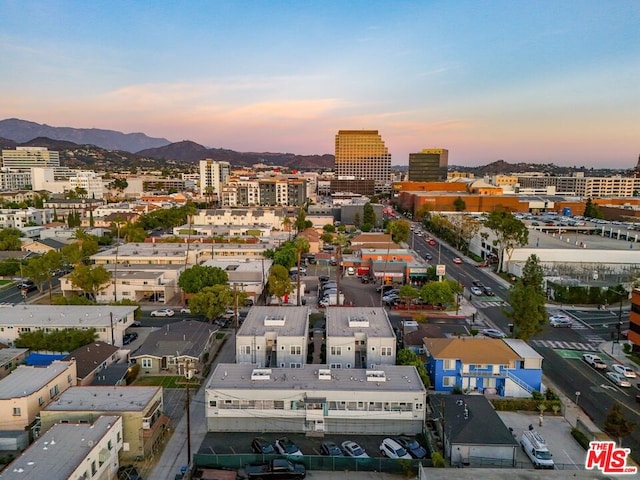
[523, 81]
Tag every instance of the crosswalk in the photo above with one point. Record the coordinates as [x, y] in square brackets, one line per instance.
[561, 345]
[482, 304]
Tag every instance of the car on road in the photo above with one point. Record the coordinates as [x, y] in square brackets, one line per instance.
[262, 446]
[457, 260]
[477, 283]
[185, 310]
[285, 446]
[559, 322]
[493, 333]
[163, 312]
[476, 291]
[623, 370]
[412, 446]
[136, 323]
[391, 449]
[488, 291]
[432, 242]
[619, 380]
[323, 278]
[351, 271]
[428, 256]
[27, 286]
[330, 449]
[352, 449]
[595, 361]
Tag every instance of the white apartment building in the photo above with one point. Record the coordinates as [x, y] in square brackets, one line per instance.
[24, 158]
[585, 187]
[213, 174]
[387, 400]
[259, 216]
[274, 336]
[20, 218]
[72, 451]
[359, 337]
[92, 183]
[14, 180]
[110, 322]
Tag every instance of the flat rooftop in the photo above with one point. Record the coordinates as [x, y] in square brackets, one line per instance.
[316, 377]
[8, 354]
[286, 321]
[346, 321]
[25, 380]
[60, 450]
[71, 316]
[174, 249]
[240, 265]
[104, 399]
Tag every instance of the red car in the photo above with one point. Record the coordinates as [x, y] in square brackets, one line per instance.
[432, 242]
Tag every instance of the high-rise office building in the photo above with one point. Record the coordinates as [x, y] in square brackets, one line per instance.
[213, 174]
[362, 154]
[429, 165]
[24, 158]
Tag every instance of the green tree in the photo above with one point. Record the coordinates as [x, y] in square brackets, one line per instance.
[194, 279]
[408, 293]
[356, 219]
[90, 279]
[459, 205]
[279, 283]
[212, 301]
[409, 357]
[368, 214]
[42, 269]
[399, 230]
[616, 424]
[329, 228]
[527, 301]
[301, 220]
[10, 239]
[64, 340]
[509, 232]
[591, 210]
[129, 232]
[440, 292]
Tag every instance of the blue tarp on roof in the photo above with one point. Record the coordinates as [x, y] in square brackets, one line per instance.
[42, 360]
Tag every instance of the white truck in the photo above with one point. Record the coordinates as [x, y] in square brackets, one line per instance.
[331, 299]
[536, 449]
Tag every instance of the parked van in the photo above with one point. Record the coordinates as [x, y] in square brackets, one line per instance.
[535, 447]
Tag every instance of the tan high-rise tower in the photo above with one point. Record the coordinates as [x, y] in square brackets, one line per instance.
[362, 154]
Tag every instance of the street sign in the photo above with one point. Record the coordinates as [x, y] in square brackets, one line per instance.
[441, 270]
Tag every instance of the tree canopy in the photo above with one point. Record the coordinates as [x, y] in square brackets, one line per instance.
[527, 301]
[194, 279]
[10, 239]
[368, 215]
[509, 231]
[279, 283]
[212, 301]
[440, 292]
[617, 425]
[91, 279]
[65, 340]
[409, 357]
[399, 230]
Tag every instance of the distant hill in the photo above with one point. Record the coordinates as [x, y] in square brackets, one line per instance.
[22, 131]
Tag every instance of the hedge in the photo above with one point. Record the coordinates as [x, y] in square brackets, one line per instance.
[580, 438]
[524, 404]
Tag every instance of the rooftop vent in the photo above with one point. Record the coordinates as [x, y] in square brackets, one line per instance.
[358, 321]
[274, 321]
[376, 376]
[261, 374]
[324, 374]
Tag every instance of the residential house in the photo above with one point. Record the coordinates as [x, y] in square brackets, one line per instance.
[313, 237]
[91, 359]
[109, 321]
[246, 275]
[359, 337]
[507, 367]
[315, 399]
[144, 423]
[471, 431]
[27, 390]
[274, 336]
[72, 451]
[43, 245]
[10, 358]
[180, 348]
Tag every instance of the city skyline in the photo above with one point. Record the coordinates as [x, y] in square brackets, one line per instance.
[542, 82]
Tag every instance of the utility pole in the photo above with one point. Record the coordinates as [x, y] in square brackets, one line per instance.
[338, 273]
[187, 384]
[298, 275]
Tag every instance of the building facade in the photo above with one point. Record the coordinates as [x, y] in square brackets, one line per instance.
[213, 176]
[362, 154]
[24, 158]
[429, 165]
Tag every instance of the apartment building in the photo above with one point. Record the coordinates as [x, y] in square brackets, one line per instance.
[72, 451]
[359, 337]
[213, 176]
[274, 336]
[14, 180]
[362, 154]
[27, 390]
[144, 423]
[586, 187]
[264, 217]
[315, 399]
[89, 181]
[22, 217]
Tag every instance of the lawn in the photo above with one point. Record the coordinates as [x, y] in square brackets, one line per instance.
[165, 381]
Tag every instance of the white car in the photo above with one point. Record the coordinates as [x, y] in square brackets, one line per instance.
[391, 449]
[594, 360]
[351, 271]
[623, 370]
[493, 333]
[163, 312]
[352, 449]
[286, 447]
[619, 380]
[559, 322]
[185, 310]
[476, 291]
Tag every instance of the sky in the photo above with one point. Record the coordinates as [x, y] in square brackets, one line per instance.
[542, 81]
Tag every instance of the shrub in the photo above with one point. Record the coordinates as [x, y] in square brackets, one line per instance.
[524, 404]
[581, 438]
[536, 395]
[551, 395]
[437, 460]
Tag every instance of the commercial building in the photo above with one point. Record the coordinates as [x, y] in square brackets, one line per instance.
[359, 337]
[141, 408]
[22, 159]
[429, 165]
[315, 399]
[586, 187]
[213, 176]
[362, 154]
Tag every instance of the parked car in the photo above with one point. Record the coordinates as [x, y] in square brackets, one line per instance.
[330, 449]
[128, 472]
[136, 323]
[428, 256]
[493, 333]
[352, 449]
[457, 260]
[594, 360]
[279, 468]
[129, 337]
[623, 370]
[477, 283]
[323, 278]
[286, 447]
[185, 310]
[412, 446]
[476, 291]
[27, 286]
[262, 446]
[488, 291]
[619, 380]
[391, 449]
[351, 271]
[163, 312]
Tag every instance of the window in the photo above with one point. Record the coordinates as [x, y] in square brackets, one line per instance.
[245, 349]
[386, 351]
[213, 403]
[16, 411]
[336, 350]
[335, 365]
[93, 468]
[448, 381]
[449, 364]
[40, 401]
[53, 391]
[295, 365]
[147, 363]
[295, 350]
